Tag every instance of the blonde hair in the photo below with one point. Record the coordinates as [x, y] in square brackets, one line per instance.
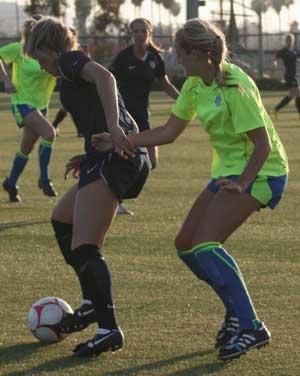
[28, 26]
[205, 37]
[151, 45]
[53, 34]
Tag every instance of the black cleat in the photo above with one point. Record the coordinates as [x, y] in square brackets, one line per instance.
[228, 330]
[47, 188]
[245, 341]
[100, 343]
[12, 191]
[79, 320]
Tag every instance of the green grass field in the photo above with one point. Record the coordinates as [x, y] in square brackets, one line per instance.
[169, 318]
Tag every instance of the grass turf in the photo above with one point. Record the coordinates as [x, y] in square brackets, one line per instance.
[168, 317]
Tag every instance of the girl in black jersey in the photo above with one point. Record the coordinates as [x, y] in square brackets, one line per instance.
[135, 69]
[83, 216]
[289, 56]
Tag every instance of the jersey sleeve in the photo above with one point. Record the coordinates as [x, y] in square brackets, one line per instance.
[246, 108]
[186, 104]
[160, 70]
[11, 53]
[71, 64]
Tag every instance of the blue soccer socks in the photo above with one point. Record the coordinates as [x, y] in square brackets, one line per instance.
[45, 151]
[19, 164]
[213, 264]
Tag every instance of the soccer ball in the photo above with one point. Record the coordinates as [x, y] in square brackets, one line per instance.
[44, 318]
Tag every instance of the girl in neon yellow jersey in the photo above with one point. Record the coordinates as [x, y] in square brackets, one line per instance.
[249, 172]
[31, 89]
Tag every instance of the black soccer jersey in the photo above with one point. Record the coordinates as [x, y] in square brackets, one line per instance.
[289, 58]
[135, 76]
[80, 98]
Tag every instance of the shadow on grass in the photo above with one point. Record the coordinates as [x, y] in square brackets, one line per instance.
[208, 368]
[7, 226]
[18, 352]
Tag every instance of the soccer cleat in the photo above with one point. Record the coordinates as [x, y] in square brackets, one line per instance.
[47, 188]
[12, 191]
[246, 340]
[228, 330]
[123, 211]
[79, 320]
[100, 343]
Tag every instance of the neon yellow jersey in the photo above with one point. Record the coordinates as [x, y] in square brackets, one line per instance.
[227, 114]
[34, 86]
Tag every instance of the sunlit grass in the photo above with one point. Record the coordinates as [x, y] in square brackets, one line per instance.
[168, 317]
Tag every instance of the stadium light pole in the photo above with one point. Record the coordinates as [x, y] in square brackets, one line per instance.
[192, 8]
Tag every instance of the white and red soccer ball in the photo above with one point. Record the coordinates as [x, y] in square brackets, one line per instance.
[44, 318]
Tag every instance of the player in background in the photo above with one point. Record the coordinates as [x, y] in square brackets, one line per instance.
[289, 55]
[135, 68]
[249, 172]
[84, 214]
[31, 89]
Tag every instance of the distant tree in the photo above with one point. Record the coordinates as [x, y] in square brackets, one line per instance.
[175, 8]
[277, 6]
[53, 7]
[260, 6]
[137, 4]
[108, 14]
[83, 10]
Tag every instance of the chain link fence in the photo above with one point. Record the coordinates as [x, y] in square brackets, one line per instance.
[246, 53]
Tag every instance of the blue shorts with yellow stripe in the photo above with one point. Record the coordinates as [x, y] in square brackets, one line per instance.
[268, 190]
[20, 111]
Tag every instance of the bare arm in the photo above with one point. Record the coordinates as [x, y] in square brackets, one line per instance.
[168, 87]
[162, 135]
[4, 76]
[262, 149]
[107, 91]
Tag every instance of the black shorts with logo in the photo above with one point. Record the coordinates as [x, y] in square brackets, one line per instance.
[125, 178]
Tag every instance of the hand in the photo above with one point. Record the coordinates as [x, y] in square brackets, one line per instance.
[73, 164]
[229, 185]
[102, 141]
[9, 87]
[122, 145]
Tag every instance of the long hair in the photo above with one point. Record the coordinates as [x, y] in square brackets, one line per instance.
[53, 34]
[28, 26]
[205, 37]
[151, 45]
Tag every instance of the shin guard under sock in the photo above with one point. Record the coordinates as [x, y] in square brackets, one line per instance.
[88, 261]
[45, 151]
[20, 162]
[211, 263]
[63, 233]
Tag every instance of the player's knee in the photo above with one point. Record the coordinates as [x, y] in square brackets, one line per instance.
[50, 134]
[83, 254]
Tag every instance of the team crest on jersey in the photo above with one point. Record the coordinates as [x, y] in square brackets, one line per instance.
[152, 64]
[218, 100]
